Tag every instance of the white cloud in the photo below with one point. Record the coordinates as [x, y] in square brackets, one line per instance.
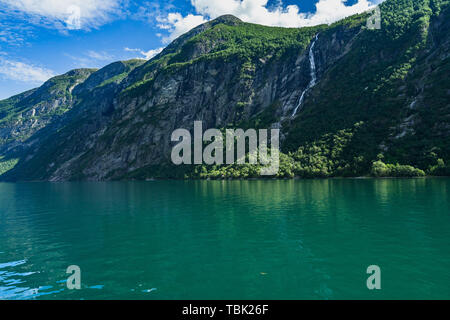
[13, 34]
[100, 56]
[65, 14]
[256, 11]
[146, 54]
[91, 59]
[176, 24]
[16, 70]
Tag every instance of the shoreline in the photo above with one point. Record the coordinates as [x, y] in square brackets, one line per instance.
[231, 179]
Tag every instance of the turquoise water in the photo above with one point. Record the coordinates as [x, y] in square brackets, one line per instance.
[226, 239]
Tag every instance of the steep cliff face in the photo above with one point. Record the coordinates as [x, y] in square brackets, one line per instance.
[384, 81]
[371, 84]
[23, 115]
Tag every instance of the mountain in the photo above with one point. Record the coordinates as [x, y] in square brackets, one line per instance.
[349, 100]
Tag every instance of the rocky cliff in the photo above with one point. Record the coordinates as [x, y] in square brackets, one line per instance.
[378, 95]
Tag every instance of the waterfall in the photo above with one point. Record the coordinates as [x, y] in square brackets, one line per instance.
[313, 81]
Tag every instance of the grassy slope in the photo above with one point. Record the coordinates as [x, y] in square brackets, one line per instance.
[239, 41]
[57, 87]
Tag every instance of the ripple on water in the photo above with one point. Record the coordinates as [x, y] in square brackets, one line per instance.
[98, 287]
[232, 240]
[12, 264]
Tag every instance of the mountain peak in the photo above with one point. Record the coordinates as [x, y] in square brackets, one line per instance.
[228, 19]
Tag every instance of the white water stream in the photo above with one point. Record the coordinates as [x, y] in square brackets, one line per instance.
[313, 81]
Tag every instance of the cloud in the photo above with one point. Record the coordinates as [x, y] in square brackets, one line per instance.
[91, 59]
[13, 32]
[20, 71]
[64, 14]
[176, 24]
[100, 56]
[257, 11]
[146, 54]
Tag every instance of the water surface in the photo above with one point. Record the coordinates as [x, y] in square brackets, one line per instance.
[226, 239]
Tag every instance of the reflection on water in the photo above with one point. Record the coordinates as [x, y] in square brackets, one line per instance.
[13, 283]
[226, 239]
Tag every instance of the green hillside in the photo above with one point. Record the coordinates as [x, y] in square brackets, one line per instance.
[380, 105]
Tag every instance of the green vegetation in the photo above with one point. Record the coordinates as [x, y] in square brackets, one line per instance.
[440, 169]
[129, 65]
[6, 165]
[380, 107]
[245, 40]
[380, 169]
[7, 112]
[374, 84]
[326, 158]
[19, 108]
[247, 43]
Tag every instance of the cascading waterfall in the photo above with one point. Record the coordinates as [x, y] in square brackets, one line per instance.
[313, 81]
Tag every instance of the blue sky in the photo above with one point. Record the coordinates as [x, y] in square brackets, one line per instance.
[43, 38]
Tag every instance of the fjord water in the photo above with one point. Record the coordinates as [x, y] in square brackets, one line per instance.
[226, 239]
